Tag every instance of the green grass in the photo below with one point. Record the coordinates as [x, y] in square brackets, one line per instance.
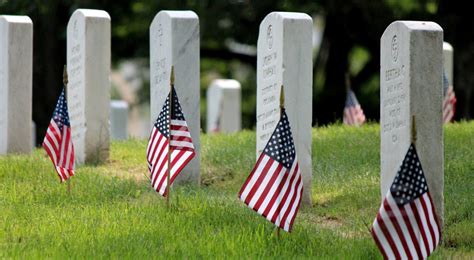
[112, 211]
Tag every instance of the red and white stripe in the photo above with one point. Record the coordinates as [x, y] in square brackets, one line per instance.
[182, 151]
[406, 232]
[58, 144]
[449, 103]
[353, 115]
[274, 191]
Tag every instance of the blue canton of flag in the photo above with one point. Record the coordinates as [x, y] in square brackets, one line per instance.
[58, 142]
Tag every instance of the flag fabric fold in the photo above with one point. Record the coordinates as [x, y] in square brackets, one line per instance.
[58, 140]
[353, 113]
[165, 136]
[274, 187]
[406, 226]
[449, 100]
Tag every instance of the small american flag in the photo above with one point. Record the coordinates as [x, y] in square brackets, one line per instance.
[406, 226]
[274, 187]
[58, 142]
[449, 102]
[181, 145]
[353, 114]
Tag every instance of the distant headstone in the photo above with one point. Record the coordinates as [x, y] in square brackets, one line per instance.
[285, 58]
[174, 40]
[223, 106]
[88, 60]
[448, 61]
[16, 77]
[411, 85]
[119, 119]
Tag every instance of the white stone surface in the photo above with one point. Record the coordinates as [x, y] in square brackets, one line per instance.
[448, 61]
[88, 60]
[411, 84]
[33, 134]
[285, 58]
[119, 119]
[174, 40]
[224, 114]
[16, 77]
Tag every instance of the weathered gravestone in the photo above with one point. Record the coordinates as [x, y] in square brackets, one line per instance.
[16, 71]
[223, 106]
[119, 119]
[285, 58]
[448, 61]
[410, 85]
[174, 41]
[88, 60]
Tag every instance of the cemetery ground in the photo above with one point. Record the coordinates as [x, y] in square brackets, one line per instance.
[113, 212]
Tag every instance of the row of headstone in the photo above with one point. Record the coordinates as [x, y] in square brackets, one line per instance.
[410, 86]
[411, 69]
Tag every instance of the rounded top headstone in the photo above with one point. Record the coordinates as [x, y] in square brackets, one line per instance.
[91, 13]
[16, 19]
[119, 104]
[176, 14]
[413, 26]
[225, 83]
[283, 16]
[447, 46]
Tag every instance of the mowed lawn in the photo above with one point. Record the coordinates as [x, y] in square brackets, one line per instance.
[113, 212]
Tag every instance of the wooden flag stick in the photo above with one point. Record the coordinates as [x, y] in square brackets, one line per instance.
[282, 107]
[348, 81]
[413, 129]
[282, 99]
[168, 177]
[65, 82]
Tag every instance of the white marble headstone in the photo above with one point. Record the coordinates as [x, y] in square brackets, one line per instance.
[411, 66]
[448, 61]
[174, 40]
[285, 58]
[88, 66]
[119, 119]
[223, 106]
[16, 77]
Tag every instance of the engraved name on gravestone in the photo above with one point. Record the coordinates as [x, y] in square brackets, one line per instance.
[223, 106]
[174, 40]
[410, 85]
[16, 72]
[284, 57]
[88, 60]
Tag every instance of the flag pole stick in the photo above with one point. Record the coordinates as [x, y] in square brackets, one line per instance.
[282, 108]
[348, 82]
[413, 129]
[65, 82]
[168, 175]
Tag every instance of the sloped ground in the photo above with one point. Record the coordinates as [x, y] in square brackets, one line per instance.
[112, 211]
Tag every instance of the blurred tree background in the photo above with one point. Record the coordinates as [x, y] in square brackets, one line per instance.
[350, 43]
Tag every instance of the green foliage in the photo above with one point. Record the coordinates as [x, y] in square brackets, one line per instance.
[113, 213]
